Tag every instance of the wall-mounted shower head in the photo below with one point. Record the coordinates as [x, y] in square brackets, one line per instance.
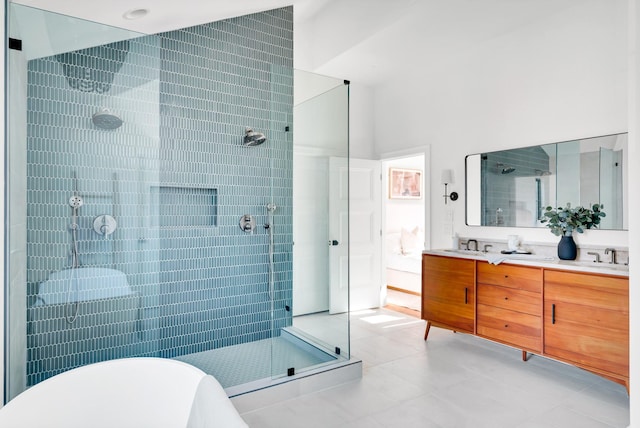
[505, 169]
[104, 119]
[252, 138]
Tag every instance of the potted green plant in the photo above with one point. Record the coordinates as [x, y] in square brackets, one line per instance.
[563, 221]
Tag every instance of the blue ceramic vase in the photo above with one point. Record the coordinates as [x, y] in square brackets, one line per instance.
[567, 249]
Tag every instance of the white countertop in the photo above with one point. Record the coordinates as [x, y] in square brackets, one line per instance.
[535, 260]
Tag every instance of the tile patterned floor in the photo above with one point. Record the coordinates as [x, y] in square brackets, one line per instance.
[451, 381]
[239, 364]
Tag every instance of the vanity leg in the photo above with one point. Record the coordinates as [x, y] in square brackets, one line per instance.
[524, 356]
[426, 332]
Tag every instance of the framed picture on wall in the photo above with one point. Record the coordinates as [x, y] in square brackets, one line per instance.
[405, 183]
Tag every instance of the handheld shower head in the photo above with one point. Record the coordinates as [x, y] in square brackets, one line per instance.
[253, 138]
[76, 202]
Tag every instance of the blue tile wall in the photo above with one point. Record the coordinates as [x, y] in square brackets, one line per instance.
[498, 189]
[185, 98]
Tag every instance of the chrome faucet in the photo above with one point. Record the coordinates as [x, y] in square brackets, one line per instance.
[475, 242]
[486, 248]
[613, 255]
[593, 253]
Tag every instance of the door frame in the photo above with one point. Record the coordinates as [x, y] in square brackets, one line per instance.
[401, 154]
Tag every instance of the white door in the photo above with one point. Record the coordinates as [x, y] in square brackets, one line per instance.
[310, 233]
[354, 234]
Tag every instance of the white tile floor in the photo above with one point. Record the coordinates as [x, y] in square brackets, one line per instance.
[453, 380]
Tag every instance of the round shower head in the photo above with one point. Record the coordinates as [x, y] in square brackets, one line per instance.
[505, 169]
[508, 170]
[104, 119]
[76, 201]
[253, 138]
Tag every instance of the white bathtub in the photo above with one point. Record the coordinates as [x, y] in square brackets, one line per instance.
[130, 392]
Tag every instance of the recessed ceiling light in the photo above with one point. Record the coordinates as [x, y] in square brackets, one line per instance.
[135, 13]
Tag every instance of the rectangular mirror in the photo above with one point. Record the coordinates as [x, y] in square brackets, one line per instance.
[511, 188]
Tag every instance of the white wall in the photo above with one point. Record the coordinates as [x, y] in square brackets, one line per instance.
[361, 132]
[556, 79]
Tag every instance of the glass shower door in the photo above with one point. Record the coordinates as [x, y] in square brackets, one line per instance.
[74, 296]
[314, 337]
[611, 187]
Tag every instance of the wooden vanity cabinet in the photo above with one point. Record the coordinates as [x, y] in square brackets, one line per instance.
[581, 318]
[509, 305]
[586, 322]
[448, 293]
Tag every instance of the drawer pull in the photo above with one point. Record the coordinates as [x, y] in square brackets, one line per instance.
[466, 293]
[506, 298]
[553, 313]
[506, 276]
[506, 325]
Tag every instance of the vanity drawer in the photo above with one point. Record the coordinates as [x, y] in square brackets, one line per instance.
[509, 298]
[513, 328]
[519, 277]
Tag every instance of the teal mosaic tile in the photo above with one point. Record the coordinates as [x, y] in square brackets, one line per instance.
[185, 98]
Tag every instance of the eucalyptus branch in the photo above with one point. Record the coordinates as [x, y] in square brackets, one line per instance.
[566, 220]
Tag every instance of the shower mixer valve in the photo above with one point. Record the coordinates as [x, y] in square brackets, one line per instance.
[247, 223]
[105, 225]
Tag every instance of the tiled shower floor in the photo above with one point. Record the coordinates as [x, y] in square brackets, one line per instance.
[247, 362]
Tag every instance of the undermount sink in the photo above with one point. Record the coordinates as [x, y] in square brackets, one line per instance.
[602, 265]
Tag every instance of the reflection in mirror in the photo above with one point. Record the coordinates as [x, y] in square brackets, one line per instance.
[512, 187]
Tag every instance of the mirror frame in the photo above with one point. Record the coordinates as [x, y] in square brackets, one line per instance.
[476, 200]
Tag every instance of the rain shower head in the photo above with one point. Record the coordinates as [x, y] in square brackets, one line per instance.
[253, 138]
[104, 119]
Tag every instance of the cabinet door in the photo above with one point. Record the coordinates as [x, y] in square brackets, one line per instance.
[448, 292]
[586, 320]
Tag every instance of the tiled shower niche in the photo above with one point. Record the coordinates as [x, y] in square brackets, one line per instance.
[176, 179]
[184, 207]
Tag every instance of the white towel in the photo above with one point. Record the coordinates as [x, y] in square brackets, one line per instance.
[496, 259]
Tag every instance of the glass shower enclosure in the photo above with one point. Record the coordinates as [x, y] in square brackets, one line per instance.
[154, 183]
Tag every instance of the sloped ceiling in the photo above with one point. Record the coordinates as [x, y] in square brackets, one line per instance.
[367, 41]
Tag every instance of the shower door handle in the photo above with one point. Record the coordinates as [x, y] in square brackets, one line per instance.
[333, 243]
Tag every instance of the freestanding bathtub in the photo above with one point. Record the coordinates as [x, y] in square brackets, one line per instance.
[130, 392]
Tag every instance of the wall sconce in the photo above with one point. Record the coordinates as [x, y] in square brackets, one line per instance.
[446, 179]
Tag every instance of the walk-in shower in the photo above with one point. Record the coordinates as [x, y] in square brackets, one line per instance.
[178, 278]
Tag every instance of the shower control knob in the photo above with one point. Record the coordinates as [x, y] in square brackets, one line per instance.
[333, 243]
[104, 225]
